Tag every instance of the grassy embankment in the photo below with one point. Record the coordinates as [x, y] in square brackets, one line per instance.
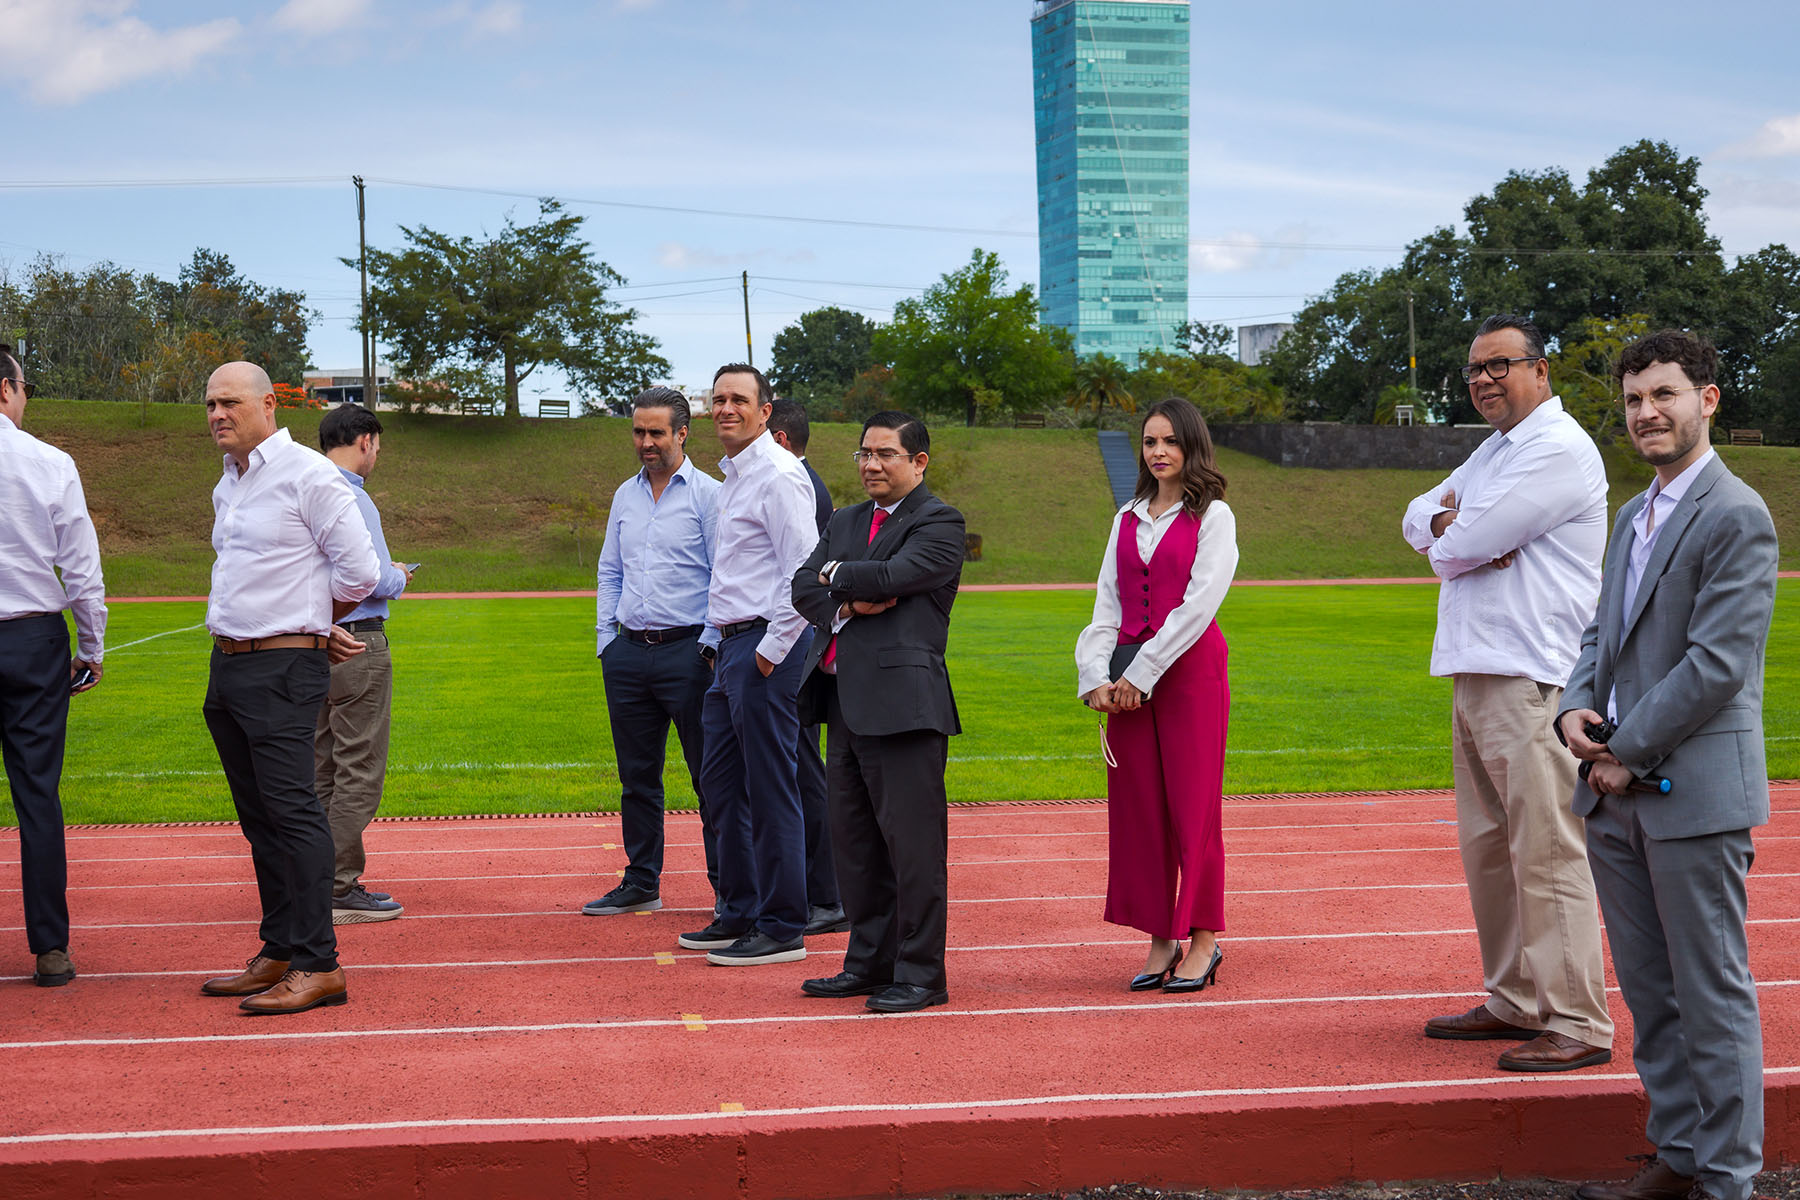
[473, 497]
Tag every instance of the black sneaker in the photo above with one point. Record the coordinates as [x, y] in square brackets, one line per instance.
[626, 898]
[359, 907]
[711, 938]
[756, 948]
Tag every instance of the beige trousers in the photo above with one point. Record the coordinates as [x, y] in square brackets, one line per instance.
[1525, 856]
[350, 751]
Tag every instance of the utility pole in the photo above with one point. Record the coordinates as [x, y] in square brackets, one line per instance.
[749, 353]
[362, 266]
[1412, 347]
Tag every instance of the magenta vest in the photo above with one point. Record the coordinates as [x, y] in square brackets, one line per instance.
[1149, 592]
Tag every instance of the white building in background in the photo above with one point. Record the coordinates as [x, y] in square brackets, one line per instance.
[1254, 341]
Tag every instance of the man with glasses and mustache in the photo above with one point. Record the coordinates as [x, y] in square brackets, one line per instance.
[46, 529]
[1516, 535]
[1674, 661]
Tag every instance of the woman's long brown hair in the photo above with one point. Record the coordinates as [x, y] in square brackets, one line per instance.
[1201, 480]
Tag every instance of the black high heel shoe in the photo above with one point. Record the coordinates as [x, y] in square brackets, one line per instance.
[1148, 982]
[1180, 983]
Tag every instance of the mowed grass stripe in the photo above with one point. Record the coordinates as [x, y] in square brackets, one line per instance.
[499, 705]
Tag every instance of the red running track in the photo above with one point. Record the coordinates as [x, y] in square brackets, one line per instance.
[498, 1042]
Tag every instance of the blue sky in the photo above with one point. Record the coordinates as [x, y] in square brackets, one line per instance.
[1350, 129]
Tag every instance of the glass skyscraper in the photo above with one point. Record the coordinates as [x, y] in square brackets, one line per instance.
[1110, 79]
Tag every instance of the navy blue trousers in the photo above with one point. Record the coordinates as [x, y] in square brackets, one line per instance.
[748, 785]
[647, 688]
[34, 721]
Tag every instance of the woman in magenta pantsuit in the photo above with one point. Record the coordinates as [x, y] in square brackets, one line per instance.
[1168, 564]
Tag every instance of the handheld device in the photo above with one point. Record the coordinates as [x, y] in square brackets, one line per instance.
[84, 679]
[414, 566]
[1602, 731]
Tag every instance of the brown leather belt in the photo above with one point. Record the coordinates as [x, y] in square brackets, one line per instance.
[281, 641]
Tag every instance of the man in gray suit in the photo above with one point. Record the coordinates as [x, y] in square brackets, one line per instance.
[1674, 660]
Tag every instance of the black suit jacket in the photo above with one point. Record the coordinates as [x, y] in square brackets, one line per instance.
[891, 676]
[821, 497]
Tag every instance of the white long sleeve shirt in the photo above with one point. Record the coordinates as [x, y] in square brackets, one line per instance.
[44, 526]
[289, 541]
[1215, 562]
[1537, 491]
[766, 528]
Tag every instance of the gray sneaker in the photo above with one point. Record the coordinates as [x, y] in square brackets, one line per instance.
[359, 907]
[53, 969]
[626, 898]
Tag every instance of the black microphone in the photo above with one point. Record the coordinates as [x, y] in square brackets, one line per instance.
[1656, 785]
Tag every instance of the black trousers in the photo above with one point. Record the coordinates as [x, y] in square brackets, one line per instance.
[34, 721]
[809, 773]
[647, 689]
[262, 709]
[890, 828]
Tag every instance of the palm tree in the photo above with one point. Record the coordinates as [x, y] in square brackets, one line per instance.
[1100, 380]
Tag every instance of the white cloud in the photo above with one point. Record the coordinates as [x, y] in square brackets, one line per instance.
[502, 16]
[79, 48]
[679, 257]
[313, 18]
[1233, 252]
[1778, 138]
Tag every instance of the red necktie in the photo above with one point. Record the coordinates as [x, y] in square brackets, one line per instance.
[875, 520]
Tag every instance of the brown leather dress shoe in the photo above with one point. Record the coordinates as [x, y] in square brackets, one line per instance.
[1554, 1052]
[259, 975]
[1653, 1181]
[1476, 1025]
[299, 991]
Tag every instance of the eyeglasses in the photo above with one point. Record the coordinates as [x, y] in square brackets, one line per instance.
[1496, 368]
[1661, 398]
[885, 455]
[30, 389]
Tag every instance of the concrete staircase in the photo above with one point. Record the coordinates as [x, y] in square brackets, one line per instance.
[1117, 453]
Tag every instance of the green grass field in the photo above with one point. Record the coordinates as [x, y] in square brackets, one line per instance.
[499, 706]
[472, 497]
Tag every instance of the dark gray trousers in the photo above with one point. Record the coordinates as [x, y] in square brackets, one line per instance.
[34, 720]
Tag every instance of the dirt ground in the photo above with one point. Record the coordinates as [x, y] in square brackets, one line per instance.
[1770, 1185]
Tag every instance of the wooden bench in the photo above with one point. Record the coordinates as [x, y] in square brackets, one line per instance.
[553, 408]
[1028, 421]
[480, 408]
[1746, 437]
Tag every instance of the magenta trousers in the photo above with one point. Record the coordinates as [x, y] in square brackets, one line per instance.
[1164, 801]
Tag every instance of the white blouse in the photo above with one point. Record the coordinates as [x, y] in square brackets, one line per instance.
[1215, 562]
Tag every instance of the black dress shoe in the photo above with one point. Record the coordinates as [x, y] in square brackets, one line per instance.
[905, 997]
[1181, 983]
[843, 984]
[1148, 982]
[825, 919]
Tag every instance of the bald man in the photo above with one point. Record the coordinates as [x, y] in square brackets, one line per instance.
[293, 555]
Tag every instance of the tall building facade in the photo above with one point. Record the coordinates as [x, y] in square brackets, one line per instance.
[1111, 87]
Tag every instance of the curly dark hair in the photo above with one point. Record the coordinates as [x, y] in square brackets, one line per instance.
[1693, 354]
[1201, 480]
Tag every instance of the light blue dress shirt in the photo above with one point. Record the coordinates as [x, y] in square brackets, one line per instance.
[656, 562]
[393, 579]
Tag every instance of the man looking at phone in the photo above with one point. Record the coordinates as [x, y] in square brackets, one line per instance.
[654, 645]
[1674, 658]
[350, 746]
[1516, 535]
[45, 529]
[766, 530]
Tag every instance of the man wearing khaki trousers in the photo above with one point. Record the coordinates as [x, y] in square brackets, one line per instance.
[1516, 534]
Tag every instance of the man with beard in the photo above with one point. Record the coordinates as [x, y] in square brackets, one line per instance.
[655, 647]
[1674, 661]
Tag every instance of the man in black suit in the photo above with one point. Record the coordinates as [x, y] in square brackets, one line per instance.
[878, 588]
[789, 426]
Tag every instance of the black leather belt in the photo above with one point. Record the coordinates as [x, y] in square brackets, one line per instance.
[732, 630]
[366, 625]
[656, 637]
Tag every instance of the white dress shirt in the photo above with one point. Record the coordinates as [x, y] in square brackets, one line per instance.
[1539, 492]
[44, 526]
[1215, 562]
[1660, 505]
[767, 528]
[289, 541]
[656, 562]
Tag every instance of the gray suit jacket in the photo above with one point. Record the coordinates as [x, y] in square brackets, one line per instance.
[1687, 659]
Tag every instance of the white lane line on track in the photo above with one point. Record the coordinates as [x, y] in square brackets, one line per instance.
[818, 1018]
[165, 633]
